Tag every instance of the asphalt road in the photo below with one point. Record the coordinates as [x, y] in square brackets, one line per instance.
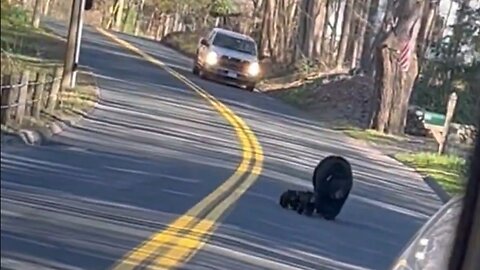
[153, 148]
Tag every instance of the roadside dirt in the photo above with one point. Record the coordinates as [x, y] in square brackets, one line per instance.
[336, 99]
[345, 102]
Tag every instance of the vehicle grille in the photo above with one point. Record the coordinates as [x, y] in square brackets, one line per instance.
[233, 63]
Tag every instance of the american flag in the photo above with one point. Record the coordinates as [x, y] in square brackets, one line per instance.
[405, 55]
[408, 47]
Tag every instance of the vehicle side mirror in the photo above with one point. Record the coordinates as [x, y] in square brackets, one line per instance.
[204, 42]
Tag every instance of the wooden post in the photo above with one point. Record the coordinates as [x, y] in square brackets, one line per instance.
[30, 93]
[52, 97]
[13, 96]
[5, 101]
[452, 103]
[38, 95]
[22, 97]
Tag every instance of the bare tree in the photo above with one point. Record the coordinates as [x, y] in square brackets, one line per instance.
[370, 30]
[346, 28]
[138, 17]
[333, 37]
[312, 20]
[361, 22]
[430, 13]
[37, 13]
[119, 14]
[268, 31]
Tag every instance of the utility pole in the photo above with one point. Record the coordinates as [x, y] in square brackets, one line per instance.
[78, 41]
[73, 42]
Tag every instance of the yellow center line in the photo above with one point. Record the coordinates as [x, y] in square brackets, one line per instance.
[184, 246]
[189, 244]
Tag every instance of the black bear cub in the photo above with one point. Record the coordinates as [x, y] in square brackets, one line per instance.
[332, 181]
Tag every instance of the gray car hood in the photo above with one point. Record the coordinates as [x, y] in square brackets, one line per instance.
[232, 53]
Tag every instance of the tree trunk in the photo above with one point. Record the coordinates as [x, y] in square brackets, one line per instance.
[267, 22]
[127, 16]
[360, 35]
[273, 32]
[347, 19]
[312, 19]
[324, 39]
[393, 86]
[119, 15]
[37, 13]
[138, 17]
[302, 28]
[113, 12]
[257, 10]
[333, 37]
[283, 18]
[160, 27]
[367, 50]
[430, 12]
[354, 31]
[383, 90]
[319, 18]
[166, 25]
[150, 23]
[292, 27]
[46, 7]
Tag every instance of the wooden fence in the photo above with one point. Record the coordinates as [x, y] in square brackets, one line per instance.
[28, 94]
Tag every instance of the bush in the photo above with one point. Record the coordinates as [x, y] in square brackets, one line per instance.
[432, 92]
[13, 16]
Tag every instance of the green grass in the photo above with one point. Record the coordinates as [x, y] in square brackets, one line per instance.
[448, 171]
[23, 47]
[371, 135]
[81, 98]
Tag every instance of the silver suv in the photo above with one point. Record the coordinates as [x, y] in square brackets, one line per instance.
[230, 56]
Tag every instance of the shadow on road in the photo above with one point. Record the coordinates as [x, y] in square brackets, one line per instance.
[389, 201]
[152, 149]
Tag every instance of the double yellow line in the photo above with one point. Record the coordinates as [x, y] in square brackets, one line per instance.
[182, 238]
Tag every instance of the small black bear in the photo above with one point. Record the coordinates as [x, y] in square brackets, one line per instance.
[300, 201]
[332, 181]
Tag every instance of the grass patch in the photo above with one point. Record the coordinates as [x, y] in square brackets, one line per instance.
[39, 50]
[79, 100]
[371, 135]
[23, 46]
[447, 170]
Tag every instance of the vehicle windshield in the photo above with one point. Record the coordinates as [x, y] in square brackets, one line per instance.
[237, 44]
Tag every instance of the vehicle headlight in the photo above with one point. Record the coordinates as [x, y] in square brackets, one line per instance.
[211, 58]
[253, 69]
